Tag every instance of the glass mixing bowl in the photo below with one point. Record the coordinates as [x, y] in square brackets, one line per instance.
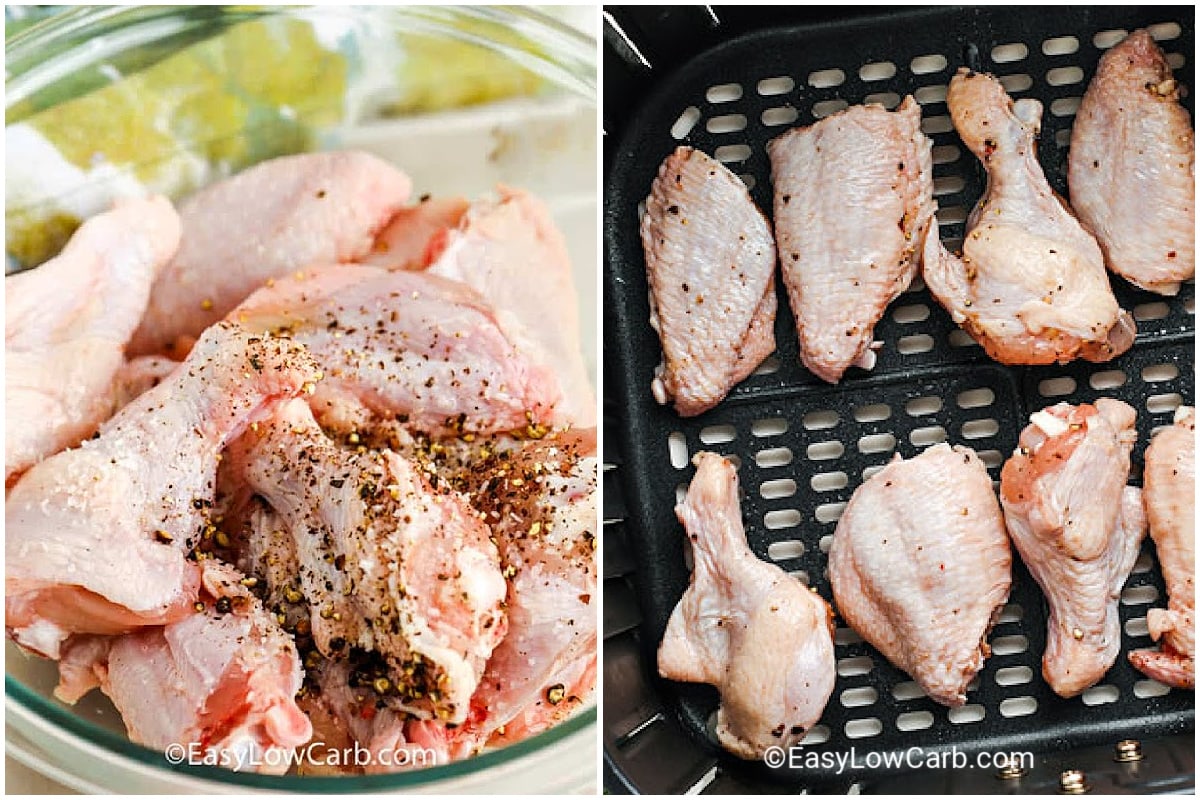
[413, 85]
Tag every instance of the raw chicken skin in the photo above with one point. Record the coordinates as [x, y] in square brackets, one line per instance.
[224, 679]
[138, 375]
[405, 344]
[539, 498]
[710, 266]
[1133, 167]
[96, 537]
[1169, 492]
[1030, 285]
[1078, 528]
[745, 626]
[920, 567]
[385, 565]
[509, 251]
[853, 201]
[274, 218]
[415, 234]
[67, 323]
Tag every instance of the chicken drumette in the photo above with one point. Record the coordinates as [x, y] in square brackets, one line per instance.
[1030, 285]
[745, 626]
[1078, 528]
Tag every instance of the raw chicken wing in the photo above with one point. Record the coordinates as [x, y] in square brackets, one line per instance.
[97, 537]
[406, 345]
[539, 499]
[1030, 285]
[274, 218]
[383, 564]
[920, 567]
[67, 323]
[853, 201]
[415, 234]
[1078, 528]
[138, 375]
[1169, 490]
[510, 252]
[224, 678]
[745, 626]
[710, 266]
[1132, 167]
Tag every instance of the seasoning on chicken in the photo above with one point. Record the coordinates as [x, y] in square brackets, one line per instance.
[283, 215]
[1132, 167]
[406, 345]
[97, 537]
[381, 563]
[1030, 285]
[346, 710]
[67, 323]
[1078, 528]
[745, 626]
[510, 251]
[853, 201]
[224, 677]
[710, 266]
[539, 499]
[1169, 492]
[920, 567]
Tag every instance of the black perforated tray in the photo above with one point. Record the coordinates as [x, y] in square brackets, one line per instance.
[803, 447]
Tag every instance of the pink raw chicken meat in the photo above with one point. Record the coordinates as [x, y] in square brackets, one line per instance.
[405, 344]
[97, 536]
[763, 638]
[137, 376]
[539, 498]
[1169, 492]
[224, 679]
[510, 251]
[67, 323]
[280, 216]
[385, 565]
[413, 236]
[1078, 528]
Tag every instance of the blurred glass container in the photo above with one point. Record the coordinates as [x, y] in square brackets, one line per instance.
[105, 101]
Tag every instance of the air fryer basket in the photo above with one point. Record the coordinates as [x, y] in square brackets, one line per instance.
[727, 81]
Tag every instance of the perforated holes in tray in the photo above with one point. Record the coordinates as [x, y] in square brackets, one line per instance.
[735, 125]
[797, 438]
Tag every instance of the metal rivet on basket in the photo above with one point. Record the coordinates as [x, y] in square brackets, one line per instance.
[1073, 781]
[1011, 771]
[1128, 750]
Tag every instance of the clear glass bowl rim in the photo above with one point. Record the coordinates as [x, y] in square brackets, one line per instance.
[551, 49]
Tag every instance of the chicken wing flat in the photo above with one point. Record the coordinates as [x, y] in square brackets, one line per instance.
[408, 345]
[1132, 167]
[853, 201]
[1170, 494]
[920, 567]
[710, 265]
[268, 221]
